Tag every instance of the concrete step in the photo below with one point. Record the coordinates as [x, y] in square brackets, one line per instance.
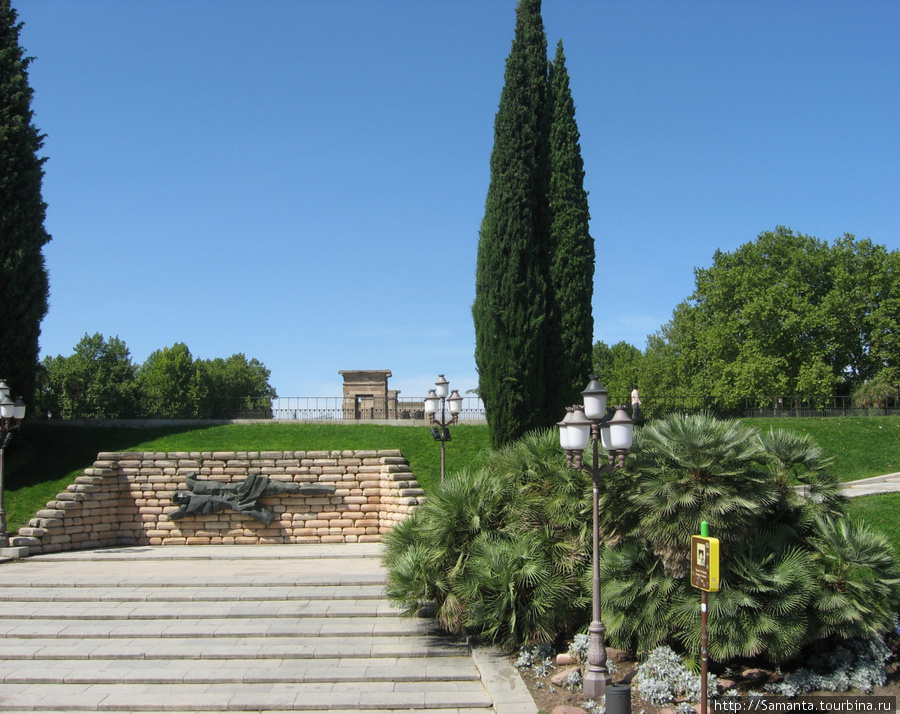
[269, 671]
[187, 609]
[83, 628]
[149, 633]
[234, 696]
[27, 592]
[234, 647]
[451, 710]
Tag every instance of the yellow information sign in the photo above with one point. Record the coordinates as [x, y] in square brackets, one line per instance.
[705, 563]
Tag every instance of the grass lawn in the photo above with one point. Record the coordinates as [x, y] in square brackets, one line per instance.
[42, 460]
[861, 446]
[881, 512]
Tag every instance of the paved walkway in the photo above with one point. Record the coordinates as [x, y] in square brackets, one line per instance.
[231, 629]
[877, 484]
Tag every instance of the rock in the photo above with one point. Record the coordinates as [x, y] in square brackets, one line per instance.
[559, 679]
[755, 675]
[566, 709]
[616, 655]
[726, 685]
[563, 660]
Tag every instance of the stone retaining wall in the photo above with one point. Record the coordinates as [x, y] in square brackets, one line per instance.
[124, 498]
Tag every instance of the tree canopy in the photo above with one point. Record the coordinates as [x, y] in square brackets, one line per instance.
[99, 381]
[786, 314]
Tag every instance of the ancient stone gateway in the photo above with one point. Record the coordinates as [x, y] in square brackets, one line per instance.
[366, 394]
[125, 498]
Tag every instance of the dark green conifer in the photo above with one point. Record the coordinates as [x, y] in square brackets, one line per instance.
[571, 247]
[512, 297]
[23, 275]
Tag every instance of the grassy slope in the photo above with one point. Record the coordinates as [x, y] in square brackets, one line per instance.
[861, 446]
[42, 460]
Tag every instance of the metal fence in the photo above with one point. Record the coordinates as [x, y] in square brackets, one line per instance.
[778, 406]
[337, 409]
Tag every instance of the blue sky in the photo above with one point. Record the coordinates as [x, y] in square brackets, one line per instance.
[303, 181]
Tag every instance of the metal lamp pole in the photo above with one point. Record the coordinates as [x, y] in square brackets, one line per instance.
[438, 401]
[11, 415]
[583, 424]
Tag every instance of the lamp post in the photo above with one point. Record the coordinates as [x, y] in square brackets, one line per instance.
[583, 425]
[438, 401]
[12, 412]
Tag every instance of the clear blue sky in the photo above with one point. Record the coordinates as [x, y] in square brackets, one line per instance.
[303, 181]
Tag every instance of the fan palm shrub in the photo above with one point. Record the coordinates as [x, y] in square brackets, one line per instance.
[499, 550]
[793, 569]
[504, 550]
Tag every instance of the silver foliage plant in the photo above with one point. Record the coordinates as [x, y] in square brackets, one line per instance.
[856, 664]
[662, 678]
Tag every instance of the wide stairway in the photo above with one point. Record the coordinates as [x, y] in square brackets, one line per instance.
[222, 629]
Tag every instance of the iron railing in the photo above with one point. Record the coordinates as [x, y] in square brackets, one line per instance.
[776, 406]
[339, 409]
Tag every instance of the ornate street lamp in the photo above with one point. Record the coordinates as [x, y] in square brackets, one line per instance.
[581, 426]
[12, 412]
[436, 402]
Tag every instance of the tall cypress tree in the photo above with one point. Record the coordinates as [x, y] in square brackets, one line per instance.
[23, 275]
[571, 246]
[512, 296]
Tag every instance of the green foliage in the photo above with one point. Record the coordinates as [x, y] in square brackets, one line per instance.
[859, 447]
[499, 550]
[504, 550]
[99, 381]
[169, 383]
[223, 385]
[534, 276]
[23, 274]
[571, 246]
[619, 368]
[787, 314]
[512, 299]
[881, 512]
[96, 382]
[794, 570]
[879, 391]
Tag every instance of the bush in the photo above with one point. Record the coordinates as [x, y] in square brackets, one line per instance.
[662, 678]
[793, 569]
[504, 551]
[500, 550]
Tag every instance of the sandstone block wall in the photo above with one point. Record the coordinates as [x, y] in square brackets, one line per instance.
[124, 498]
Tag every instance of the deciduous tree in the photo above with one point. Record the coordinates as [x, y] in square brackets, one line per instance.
[96, 382]
[789, 314]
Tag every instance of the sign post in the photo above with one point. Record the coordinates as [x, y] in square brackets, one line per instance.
[704, 575]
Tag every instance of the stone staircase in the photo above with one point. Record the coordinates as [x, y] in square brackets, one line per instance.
[222, 629]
